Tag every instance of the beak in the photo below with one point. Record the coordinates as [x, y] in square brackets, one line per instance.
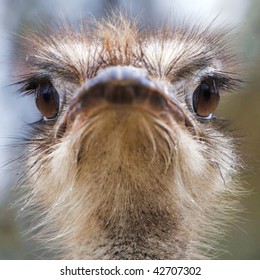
[119, 86]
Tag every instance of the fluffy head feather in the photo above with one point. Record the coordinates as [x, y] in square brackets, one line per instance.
[129, 181]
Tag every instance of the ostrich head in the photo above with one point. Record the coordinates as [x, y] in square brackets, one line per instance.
[128, 160]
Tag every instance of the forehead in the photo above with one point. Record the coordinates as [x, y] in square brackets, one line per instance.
[168, 53]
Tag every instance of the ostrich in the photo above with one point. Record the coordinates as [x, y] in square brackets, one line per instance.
[128, 160]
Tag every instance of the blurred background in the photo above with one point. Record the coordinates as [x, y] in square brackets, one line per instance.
[242, 108]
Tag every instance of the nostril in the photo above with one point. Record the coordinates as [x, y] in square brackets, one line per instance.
[119, 94]
[118, 86]
[121, 85]
[157, 100]
[141, 94]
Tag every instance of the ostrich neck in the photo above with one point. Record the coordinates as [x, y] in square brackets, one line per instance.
[134, 206]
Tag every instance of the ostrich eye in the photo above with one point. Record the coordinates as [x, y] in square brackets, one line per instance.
[47, 100]
[205, 99]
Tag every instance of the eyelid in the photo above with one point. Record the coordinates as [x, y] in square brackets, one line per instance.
[29, 84]
[224, 80]
[202, 73]
[47, 100]
[221, 81]
[205, 99]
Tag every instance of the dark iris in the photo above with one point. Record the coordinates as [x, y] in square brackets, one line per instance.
[205, 99]
[47, 100]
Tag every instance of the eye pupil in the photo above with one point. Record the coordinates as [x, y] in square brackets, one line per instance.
[205, 99]
[205, 89]
[47, 100]
[46, 95]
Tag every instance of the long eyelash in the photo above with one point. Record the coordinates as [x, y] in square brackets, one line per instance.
[223, 81]
[28, 84]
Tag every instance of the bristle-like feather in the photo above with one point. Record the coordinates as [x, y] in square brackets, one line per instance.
[129, 184]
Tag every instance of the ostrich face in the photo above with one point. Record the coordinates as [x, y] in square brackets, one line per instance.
[128, 160]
